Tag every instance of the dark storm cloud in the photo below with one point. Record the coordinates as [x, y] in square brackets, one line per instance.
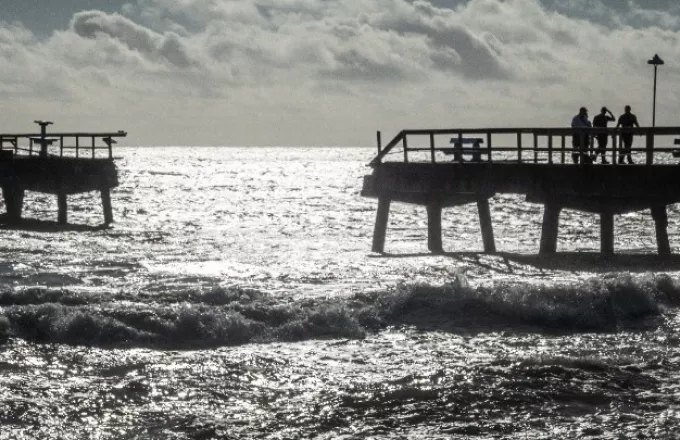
[95, 24]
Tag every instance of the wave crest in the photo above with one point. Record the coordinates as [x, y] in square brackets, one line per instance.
[233, 316]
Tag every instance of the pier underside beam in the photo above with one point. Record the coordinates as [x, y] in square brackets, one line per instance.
[434, 227]
[660, 217]
[551, 217]
[486, 225]
[381, 219]
[14, 201]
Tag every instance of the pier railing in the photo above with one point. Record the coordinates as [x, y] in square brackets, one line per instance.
[526, 145]
[96, 145]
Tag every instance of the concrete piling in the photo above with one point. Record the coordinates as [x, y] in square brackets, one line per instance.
[62, 208]
[607, 232]
[660, 217]
[486, 225]
[551, 217]
[434, 227]
[381, 219]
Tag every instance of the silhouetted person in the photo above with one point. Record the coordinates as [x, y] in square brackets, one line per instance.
[581, 140]
[600, 121]
[627, 120]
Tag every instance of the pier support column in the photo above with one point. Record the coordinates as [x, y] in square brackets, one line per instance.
[14, 202]
[434, 227]
[380, 229]
[607, 233]
[551, 217]
[486, 225]
[106, 204]
[62, 217]
[661, 222]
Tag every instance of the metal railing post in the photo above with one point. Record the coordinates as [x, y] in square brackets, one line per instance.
[535, 148]
[432, 155]
[405, 145]
[649, 147]
[519, 147]
[489, 146]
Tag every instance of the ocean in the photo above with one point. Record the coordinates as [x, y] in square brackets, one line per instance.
[236, 297]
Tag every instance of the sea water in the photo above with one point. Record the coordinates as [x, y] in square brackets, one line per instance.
[236, 297]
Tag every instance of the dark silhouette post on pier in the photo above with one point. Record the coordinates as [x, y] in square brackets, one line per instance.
[656, 62]
[44, 142]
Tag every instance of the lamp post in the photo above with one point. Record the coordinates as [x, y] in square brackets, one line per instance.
[656, 62]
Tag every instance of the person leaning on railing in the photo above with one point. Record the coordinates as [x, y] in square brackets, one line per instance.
[581, 139]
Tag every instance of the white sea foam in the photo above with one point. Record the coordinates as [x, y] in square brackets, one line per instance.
[234, 316]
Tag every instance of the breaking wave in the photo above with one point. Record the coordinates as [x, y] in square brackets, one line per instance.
[234, 316]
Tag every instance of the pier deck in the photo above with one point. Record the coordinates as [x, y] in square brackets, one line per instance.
[540, 169]
[59, 164]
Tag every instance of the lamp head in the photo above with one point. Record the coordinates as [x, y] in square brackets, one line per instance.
[657, 61]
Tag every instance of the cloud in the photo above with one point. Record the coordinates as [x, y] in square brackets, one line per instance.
[98, 25]
[348, 66]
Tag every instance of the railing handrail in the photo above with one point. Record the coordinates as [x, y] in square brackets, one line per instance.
[387, 148]
[67, 134]
[661, 131]
[564, 132]
[38, 143]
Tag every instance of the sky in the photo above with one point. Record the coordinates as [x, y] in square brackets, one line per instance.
[329, 72]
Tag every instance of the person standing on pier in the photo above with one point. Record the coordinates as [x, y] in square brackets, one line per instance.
[600, 121]
[627, 120]
[581, 139]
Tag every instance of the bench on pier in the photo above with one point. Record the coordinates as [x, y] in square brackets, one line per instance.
[44, 142]
[676, 153]
[461, 148]
[40, 141]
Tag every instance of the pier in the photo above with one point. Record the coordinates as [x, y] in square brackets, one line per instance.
[439, 168]
[59, 164]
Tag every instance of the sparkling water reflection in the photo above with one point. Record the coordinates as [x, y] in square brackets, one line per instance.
[236, 297]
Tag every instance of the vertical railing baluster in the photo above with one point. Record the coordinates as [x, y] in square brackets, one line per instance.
[489, 145]
[379, 136]
[432, 155]
[519, 147]
[535, 148]
[405, 145]
[649, 146]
